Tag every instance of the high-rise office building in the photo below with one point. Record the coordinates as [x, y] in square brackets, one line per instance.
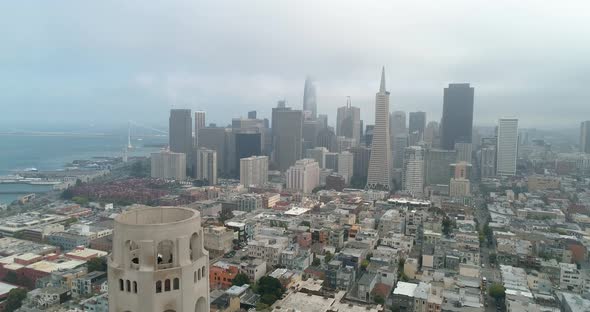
[309, 98]
[369, 135]
[457, 117]
[348, 122]
[488, 161]
[432, 135]
[181, 133]
[416, 127]
[413, 171]
[507, 148]
[323, 119]
[254, 170]
[400, 142]
[397, 123]
[219, 140]
[361, 156]
[247, 144]
[206, 165]
[460, 186]
[199, 124]
[585, 137]
[311, 129]
[436, 165]
[252, 115]
[331, 161]
[380, 162]
[168, 165]
[318, 154]
[287, 132]
[326, 138]
[346, 166]
[158, 261]
[303, 176]
[464, 151]
[344, 143]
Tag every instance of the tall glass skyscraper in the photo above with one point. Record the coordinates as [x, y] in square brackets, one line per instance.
[457, 117]
[309, 98]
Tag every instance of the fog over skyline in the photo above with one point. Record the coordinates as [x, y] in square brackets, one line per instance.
[105, 62]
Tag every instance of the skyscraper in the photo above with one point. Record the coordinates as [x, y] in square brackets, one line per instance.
[287, 132]
[585, 137]
[254, 170]
[507, 149]
[436, 165]
[247, 144]
[206, 165]
[168, 165]
[431, 134]
[346, 165]
[457, 117]
[318, 154]
[158, 261]
[380, 163]
[326, 138]
[416, 127]
[413, 172]
[397, 123]
[218, 139]
[181, 133]
[309, 98]
[400, 142]
[199, 124]
[348, 122]
[361, 156]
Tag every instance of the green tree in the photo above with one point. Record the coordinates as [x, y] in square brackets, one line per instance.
[364, 264]
[316, 262]
[447, 225]
[497, 291]
[328, 257]
[67, 194]
[379, 299]
[270, 289]
[97, 264]
[80, 200]
[15, 299]
[11, 277]
[261, 306]
[304, 223]
[492, 258]
[240, 279]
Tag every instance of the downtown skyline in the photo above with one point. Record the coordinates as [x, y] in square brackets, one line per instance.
[522, 67]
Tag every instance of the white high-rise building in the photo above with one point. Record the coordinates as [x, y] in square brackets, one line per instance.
[168, 165]
[380, 163]
[507, 148]
[318, 154]
[464, 151]
[158, 262]
[413, 173]
[199, 124]
[345, 165]
[254, 170]
[304, 176]
[206, 165]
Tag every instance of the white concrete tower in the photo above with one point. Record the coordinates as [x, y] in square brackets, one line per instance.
[507, 146]
[158, 263]
[380, 163]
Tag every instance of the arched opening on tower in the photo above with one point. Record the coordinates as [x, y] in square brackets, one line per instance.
[133, 253]
[201, 305]
[165, 256]
[195, 246]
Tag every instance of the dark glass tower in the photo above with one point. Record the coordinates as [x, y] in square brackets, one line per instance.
[457, 117]
[181, 133]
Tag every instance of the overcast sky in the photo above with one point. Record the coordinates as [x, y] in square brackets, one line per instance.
[104, 62]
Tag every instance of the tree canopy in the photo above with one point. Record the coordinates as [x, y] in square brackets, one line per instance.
[497, 291]
[15, 299]
[240, 279]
